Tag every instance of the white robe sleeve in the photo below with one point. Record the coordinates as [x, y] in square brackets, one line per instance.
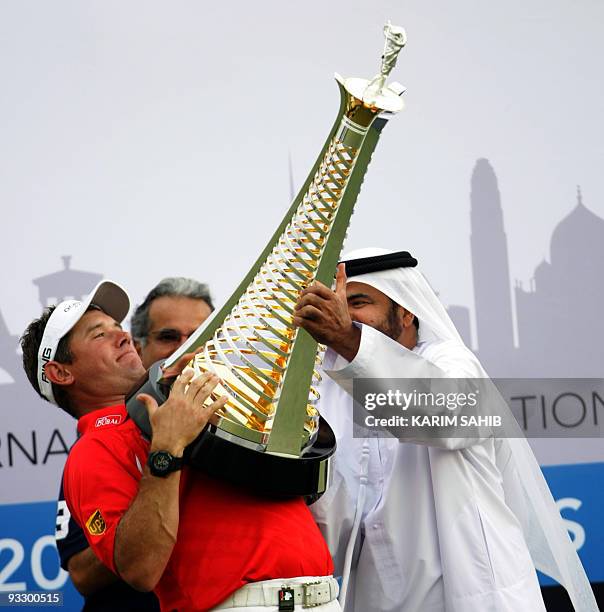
[380, 357]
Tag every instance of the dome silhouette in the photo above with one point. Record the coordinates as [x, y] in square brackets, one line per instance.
[579, 238]
[542, 274]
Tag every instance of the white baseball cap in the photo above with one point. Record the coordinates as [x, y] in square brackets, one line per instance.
[107, 295]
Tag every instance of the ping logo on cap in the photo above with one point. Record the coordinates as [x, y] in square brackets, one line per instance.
[46, 355]
[96, 524]
[108, 419]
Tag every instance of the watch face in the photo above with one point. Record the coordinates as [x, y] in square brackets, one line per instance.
[162, 462]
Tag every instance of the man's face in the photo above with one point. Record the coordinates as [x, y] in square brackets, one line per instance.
[105, 362]
[369, 306]
[172, 320]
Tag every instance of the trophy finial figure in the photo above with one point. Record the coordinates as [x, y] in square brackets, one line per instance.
[376, 93]
[395, 41]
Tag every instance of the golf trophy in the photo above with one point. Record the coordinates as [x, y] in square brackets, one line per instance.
[269, 435]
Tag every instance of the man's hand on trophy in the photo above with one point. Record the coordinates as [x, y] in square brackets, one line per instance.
[323, 313]
[180, 419]
[179, 365]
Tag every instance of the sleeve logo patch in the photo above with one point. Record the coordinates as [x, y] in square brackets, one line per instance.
[96, 524]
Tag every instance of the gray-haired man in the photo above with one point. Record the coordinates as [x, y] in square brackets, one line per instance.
[170, 313]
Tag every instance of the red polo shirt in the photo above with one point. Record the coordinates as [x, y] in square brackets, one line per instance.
[226, 537]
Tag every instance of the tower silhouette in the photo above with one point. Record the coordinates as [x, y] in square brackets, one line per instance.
[65, 284]
[490, 269]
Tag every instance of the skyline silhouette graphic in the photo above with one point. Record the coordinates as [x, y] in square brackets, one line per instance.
[557, 316]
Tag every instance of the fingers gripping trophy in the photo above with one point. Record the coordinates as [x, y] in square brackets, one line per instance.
[269, 435]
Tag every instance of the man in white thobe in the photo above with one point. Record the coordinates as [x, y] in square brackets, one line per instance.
[440, 524]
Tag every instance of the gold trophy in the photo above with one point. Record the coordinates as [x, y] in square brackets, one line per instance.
[269, 435]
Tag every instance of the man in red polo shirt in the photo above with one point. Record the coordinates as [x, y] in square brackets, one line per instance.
[168, 315]
[199, 543]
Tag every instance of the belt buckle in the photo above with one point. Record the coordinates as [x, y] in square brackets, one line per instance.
[307, 595]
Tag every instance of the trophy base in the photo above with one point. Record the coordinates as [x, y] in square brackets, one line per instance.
[224, 454]
[265, 473]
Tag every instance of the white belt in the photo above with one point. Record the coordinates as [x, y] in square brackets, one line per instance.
[309, 591]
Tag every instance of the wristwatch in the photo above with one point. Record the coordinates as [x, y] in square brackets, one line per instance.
[162, 463]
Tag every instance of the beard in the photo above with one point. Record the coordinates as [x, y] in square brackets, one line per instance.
[392, 325]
